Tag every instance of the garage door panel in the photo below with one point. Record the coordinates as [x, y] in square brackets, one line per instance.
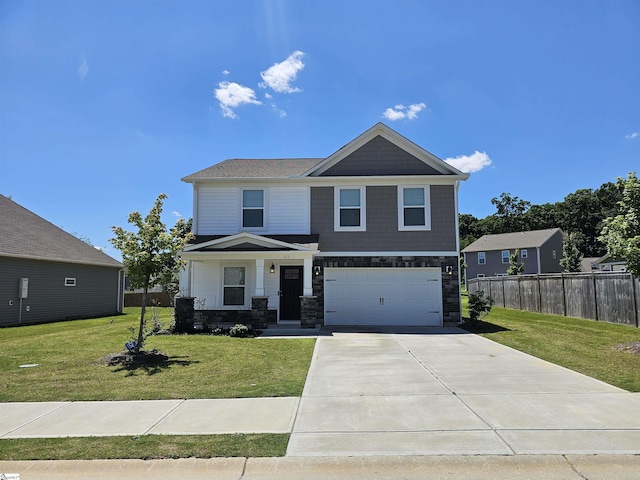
[383, 296]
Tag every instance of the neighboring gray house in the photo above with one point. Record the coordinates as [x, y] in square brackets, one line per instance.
[48, 274]
[366, 236]
[540, 252]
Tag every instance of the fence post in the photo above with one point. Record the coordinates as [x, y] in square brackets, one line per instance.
[504, 300]
[564, 296]
[539, 293]
[595, 296]
[634, 294]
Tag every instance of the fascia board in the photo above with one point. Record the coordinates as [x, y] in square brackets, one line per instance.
[320, 181]
[63, 260]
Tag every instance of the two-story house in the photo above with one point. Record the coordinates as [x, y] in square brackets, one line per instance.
[365, 236]
[540, 251]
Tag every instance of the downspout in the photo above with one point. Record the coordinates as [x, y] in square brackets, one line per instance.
[538, 258]
[120, 292]
[457, 187]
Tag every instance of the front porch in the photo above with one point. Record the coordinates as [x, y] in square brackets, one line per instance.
[251, 279]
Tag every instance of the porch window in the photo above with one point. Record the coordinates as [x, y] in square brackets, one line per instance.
[253, 208]
[413, 208]
[350, 210]
[234, 282]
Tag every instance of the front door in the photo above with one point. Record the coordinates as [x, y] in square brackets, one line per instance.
[290, 292]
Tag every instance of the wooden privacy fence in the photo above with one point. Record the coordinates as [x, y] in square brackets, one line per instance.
[607, 297]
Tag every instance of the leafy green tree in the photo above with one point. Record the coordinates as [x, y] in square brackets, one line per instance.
[515, 267]
[150, 254]
[511, 210]
[571, 256]
[621, 233]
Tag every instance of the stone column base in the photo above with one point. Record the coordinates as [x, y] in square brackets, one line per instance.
[259, 312]
[308, 307]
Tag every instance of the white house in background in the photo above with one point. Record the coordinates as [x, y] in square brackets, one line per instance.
[365, 236]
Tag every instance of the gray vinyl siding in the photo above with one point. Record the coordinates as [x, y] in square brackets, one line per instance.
[379, 157]
[547, 263]
[382, 223]
[96, 292]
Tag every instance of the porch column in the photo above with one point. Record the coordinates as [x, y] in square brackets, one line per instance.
[308, 277]
[259, 277]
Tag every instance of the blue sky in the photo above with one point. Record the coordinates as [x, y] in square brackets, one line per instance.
[104, 105]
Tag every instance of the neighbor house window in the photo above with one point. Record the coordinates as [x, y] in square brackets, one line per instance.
[480, 275]
[505, 256]
[482, 258]
[413, 208]
[523, 254]
[553, 254]
[253, 208]
[350, 209]
[69, 282]
[234, 281]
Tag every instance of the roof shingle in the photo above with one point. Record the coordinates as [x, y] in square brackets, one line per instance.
[503, 241]
[25, 234]
[256, 168]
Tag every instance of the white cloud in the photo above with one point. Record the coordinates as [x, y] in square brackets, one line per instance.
[631, 135]
[232, 95]
[268, 96]
[470, 163]
[279, 76]
[226, 72]
[83, 69]
[400, 112]
[176, 214]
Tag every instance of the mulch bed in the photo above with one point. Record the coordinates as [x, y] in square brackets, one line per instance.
[629, 347]
[129, 359]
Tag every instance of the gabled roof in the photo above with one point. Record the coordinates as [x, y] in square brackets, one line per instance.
[255, 168]
[422, 162]
[23, 234]
[245, 241]
[504, 241]
[380, 130]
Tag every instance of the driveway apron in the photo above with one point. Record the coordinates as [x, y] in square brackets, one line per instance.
[442, 391]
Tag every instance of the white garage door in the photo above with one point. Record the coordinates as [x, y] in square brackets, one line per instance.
[383, 296]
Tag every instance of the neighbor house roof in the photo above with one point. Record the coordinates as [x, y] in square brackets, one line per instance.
[504, 241]
[255, 168]
[24, 234]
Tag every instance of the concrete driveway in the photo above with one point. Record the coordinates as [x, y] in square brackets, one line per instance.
[442, 391]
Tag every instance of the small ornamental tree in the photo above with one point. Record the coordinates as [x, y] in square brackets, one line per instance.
[515, 267]
[621, 233]
[571, 256]
[150, 254]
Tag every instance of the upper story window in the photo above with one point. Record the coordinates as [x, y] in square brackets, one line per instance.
[253, 208]
[524, 253]
[505, 256]
[413, 208]
[350, 209]
[69, 282]
[482, 258]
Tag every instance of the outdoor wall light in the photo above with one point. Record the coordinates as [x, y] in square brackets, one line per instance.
[449, 269]
[316, 270]
[273, 268]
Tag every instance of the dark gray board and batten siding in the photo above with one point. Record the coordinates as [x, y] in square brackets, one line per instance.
[95, 294]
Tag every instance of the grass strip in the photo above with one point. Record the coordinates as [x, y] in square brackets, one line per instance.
[145, 447]
[585, 346]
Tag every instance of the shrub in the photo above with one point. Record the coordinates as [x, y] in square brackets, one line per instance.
[239, 330]
[479, 305]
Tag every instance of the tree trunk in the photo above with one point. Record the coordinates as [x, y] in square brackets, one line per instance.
[142, 312]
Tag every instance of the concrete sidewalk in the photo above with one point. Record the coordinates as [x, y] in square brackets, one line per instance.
[519, 467]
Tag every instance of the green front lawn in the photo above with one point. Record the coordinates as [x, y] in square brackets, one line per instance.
[199, 366]
[585, 346]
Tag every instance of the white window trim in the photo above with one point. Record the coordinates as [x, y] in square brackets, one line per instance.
[363, 209]
[427, 209]
[264, 210]
[524, 253]
[70, 282]
[223, 285]
[484, 258]
[508, 256]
